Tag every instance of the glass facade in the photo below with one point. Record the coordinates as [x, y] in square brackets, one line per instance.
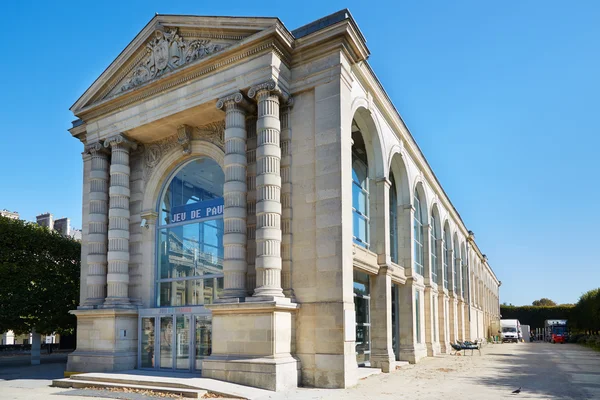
[190, 236]
[418, 233]
[362, 308]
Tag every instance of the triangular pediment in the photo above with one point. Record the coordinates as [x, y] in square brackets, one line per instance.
[168, 44]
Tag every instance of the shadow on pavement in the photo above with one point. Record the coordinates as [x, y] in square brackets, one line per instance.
[52, 367]
[552, 371]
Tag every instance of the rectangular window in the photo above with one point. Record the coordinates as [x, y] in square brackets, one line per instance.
[362, 305]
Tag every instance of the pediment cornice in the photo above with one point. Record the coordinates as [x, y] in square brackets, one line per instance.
[173, 49]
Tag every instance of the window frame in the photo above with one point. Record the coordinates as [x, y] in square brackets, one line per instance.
[158, 230]
[418, 245]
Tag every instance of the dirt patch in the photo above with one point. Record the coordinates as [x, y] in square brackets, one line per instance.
[445, 369]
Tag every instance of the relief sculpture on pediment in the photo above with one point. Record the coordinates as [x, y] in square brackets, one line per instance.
[165, 52]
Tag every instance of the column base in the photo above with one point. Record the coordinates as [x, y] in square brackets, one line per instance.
[386, 363]
[252, 345]
[433, 349]
[413, 354]
[118, 302]
[275, 374]
[89, 304]
[106, 340]
[98, 361]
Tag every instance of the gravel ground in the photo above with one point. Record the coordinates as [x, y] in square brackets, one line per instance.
[544, 371]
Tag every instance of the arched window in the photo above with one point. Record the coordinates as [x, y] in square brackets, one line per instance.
[360, 191]
[433, 247]
[455, 268]
[445, 241]
[393, 221]
[418, 233]
[190, 236]
[465, 280]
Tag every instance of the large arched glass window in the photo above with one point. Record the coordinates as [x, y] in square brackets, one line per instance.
[433, 246]
[393, 221]
[360, 191]
[445, 241]
[190, 236]
[418, 233]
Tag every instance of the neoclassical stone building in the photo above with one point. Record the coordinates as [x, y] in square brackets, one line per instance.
[255, 209]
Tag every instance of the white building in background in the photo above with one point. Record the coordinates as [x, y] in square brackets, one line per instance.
[255, 210]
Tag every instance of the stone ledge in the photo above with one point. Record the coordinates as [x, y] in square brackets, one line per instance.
[105, 312]
[275, 374]
[253, 307]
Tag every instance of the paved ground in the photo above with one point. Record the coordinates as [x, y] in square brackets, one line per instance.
[544, 371]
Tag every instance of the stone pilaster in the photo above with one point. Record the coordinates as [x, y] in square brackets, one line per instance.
[268, 189]
[117, 278]
[286, 198]
[234, 213]
[382, 353]
[97, 225]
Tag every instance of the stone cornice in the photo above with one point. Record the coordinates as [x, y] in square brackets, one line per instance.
[180, 77]
[222, 28]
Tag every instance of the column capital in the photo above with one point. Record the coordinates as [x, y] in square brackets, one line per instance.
[234, 99]
[95, 148]
[270, 86]
[120, 140]
[385, 181]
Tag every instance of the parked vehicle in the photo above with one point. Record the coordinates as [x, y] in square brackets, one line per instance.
[556, 331]
[511, 330]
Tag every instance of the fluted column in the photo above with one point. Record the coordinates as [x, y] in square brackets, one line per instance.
[234, 192]
[268, 189]
[117, 278]
[286, 198]
[97, 225]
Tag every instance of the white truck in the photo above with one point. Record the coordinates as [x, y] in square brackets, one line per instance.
[511, 330]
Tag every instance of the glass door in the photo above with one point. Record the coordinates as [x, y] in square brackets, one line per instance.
[202, 338]
[147, 348]
[166, 342]
[182, 344]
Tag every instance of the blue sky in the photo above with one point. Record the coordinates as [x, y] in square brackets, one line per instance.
[502, 97]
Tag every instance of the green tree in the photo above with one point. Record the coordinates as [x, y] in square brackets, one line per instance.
[39, 278]
[586, 314]
[544, 302]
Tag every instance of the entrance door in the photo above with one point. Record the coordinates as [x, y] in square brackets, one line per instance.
[166, 342]
[203, 339]
[175, 341]
[182, 342]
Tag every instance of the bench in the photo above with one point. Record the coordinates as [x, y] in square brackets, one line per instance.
[463, 346]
